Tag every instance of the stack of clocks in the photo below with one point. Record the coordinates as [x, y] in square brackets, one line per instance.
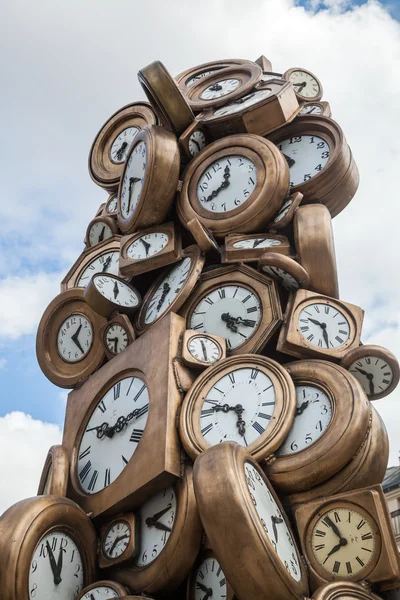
[220, 441]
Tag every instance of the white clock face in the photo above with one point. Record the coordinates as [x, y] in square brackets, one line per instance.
[112, 434]
[56, 570]
[210, 581]
[195, 78]
[227, 183]
[116, 291]
[283, 211]
[197, 142]
[245, 102]
[147, 245]
[112, 205]
[324, 326]
[285, 278]
[116, 539]
[374, 374]
[116, 338]
[220, 89]
[238, 407]
[306, 156]
[230, 311]
[312, 418]
[204, 349]
[99, 232]
[168, 290]
[272, 521]
[74, 338]
[101, 592]
[108, 262]
[121, 144]
[311, 109]
[133, 180]
[257, 242]
[304, 84]
[156, 518]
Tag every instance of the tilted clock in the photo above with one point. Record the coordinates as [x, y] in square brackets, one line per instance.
[54, 478]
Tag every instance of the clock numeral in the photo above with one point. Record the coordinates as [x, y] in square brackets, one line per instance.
[264, 416]
[136, 435]
[320, 533]
[124, 459]
[140, 392]
[259, 428]
[254, 374]
[102, 406]
[367, 536]
[206, 412]
[252, 309]
[107, 477]
[221, 294]
[339, 339]
[85, 471]
[142, 411]
[361, 524]
[358, 559]
[222, 582]
[349, 569]
[232, 378]
[319, 547]
[199, 326]
[336, 566]
[209, 301]
[117, 390]
[326, 523]
[310, 337]
[304, 328]
[336, 515]
[316, 308]
[207, 429]
[93, 480]
[246, 299]
[84, 453]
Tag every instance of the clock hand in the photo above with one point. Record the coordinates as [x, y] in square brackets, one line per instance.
[116, 290]
[315, 321]
[325, 334]
[60, 562]
[106, 264]
[301, 409]
[120, 153]
[300, 86]
[202, 587]
[115, 340]
[362, 372]
[342, 542]
[92, 597]
[197, 144]
[215, 87]
[166, 289]
[117, 539]
[132, 181]
[203, 347]
[245, 322]
[371, 385]
[102, 430]
[76, 341]
[228, 320]
[146, 245]
[101, 236]
[244, 99]
[226, 408]
[335, 528]
[53, 566]
[223, 186]
[161, 512]
[257, 242]
[150, 522]
[290, 161]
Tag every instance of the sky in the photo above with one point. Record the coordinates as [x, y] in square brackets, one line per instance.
[67, 66]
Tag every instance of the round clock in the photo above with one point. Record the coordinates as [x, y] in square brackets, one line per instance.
[306, 85]
[68, 344]
[376, 368]
[320, 161]
[188, 78]
[223, 85]
[331, 422]
[203, 237]
[207, 579]
[107, 293]
[54, 478]
[235, 184]
[248, 399]
[151, 170]
[285, 270]
[118, 541]
[241, 491]
[170, 289]
[315, 109]
[197, 141]
[103, 590]
[117, 334]
[344, 590]
[200, 350]
[103, 258]
[286, 212]
[48, 549]
[112, 205]
[99, 230]
[170, 536]
[112, 143]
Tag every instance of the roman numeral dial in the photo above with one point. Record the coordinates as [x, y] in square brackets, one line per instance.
[323, 326]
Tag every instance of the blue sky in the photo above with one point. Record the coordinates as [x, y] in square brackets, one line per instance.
[71, 65]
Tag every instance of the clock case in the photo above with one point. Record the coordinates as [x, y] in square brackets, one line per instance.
[191, 582]
[132, 548]
[230, 254]
[194, 363]
[55, 471]
[344, 590]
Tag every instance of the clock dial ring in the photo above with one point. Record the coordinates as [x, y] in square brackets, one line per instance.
[184, 78]
[316, 87]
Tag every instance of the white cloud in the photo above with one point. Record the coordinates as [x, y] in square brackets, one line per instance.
[24, 443]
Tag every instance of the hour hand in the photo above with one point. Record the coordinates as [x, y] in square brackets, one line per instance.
[314, 321]
[150, 522]
[116, 290]
[53, 566]
[362, 371]
[161, 513]
[290, 161]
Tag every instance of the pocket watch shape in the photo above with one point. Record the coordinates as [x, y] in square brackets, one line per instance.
[248, 399]
[248, 248]
[103, 590]
[321, 164]
[201, 350]
[315, 247]
[285, 270]
[166, 97]
[315, 109]
[319, 326]
[376, 368]
[236, 502]
[68, 343]
[100, 229]
[54, 478]
[151, 171]
[286, 212]
[207, 579]
[150, 249]
[236, 303]
[111, 206]
[170, 538]
[348, 536]
[170, 289]
[103, 258]
[118, 418]
[110, 147]
[188, 78]
[235, 184]
[117, 334]
[306, 85]
[48, 549]
[119, 540]
[344, 590]
[203, 237]
[331, 422]
[108, 293]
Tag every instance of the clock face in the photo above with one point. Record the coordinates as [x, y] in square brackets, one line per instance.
[269, 76]
[116, 291]
[99, 232]
[147, 245]
[343, 541]
[238, 407]
[197, 142]
[101, 592]
[312, 418]
[257, 242]
[120, 146]
[168, 290]
[210, 581]
[304, 84]
[116, 539]
[311, 109]
[116, 338]
[230, 311]
[112, 205]
[374, 374]
[272, 521]
[285, 278]
[156, 519]
[306, 156]
[56, 569]
[195, 78]
[133, 180]
[284, 211]
[245, 102]
[74, 338]
[204, 349]
[324, 326]
[108, 262]
[227, 183]
[112, 434]
[220, 89]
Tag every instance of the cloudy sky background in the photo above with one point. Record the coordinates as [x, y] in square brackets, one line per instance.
[67, 66]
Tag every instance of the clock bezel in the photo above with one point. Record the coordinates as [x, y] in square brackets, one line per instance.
[109, 221]
[317, 97]
[55, 468]
[125, 323]
[132, 548]
[187, 357]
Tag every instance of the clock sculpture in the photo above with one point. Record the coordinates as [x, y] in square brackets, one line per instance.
[220, 438]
